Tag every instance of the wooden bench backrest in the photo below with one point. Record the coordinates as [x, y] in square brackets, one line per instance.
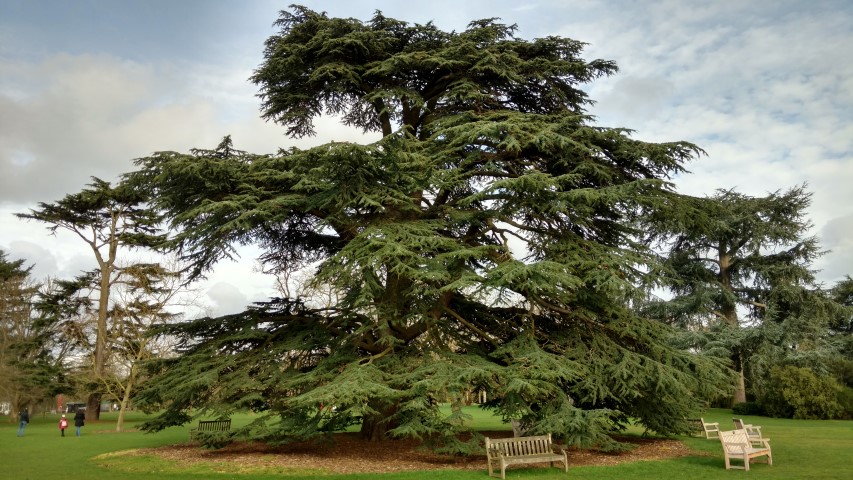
[738, 423]
[213, 425]
[519, 446]
[731, 439]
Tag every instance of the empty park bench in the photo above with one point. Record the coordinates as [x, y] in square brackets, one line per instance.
[753, 431]
[738, 445]
[502, 452]
[210, 426]
[711, 429]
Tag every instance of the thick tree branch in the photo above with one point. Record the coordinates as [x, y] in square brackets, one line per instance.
[370, 359]
[472, 327]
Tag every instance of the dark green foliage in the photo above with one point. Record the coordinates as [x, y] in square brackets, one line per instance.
[31, 347]
[747, 408]
[12, 270]
[795, 392]
[739, 269]
[845, 401]
[484, 243]
[841, 330]
[731, 250]
[386, 72]
[100, 208]
[841, 368]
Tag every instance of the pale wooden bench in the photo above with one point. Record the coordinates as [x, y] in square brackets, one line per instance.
[502, 452]
[753, 431]
[711, 429]
[737, 445]
[210, 426]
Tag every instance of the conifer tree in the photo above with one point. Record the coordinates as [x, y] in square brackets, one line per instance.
[106, 218]
[16, 293]
[736, 261]
[484, 243]
[842, 293]
[841, 330]
[31, 349]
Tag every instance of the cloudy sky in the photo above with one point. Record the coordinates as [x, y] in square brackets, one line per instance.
[765, 87]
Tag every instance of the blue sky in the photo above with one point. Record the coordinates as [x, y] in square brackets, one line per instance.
[765, 87]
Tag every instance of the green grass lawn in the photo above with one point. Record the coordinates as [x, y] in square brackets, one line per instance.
[802, 449]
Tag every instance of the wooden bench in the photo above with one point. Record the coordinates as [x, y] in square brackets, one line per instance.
[210, 426]
[753, 431]
[502, 452]
[711, 429]
[738, 445]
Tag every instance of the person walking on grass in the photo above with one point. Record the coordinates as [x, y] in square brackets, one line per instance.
[63, 424]
[23, 419]
[79, 420]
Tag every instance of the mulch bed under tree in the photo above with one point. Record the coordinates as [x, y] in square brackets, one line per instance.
[351, 454]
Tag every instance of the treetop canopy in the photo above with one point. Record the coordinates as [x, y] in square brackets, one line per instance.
[385, 74]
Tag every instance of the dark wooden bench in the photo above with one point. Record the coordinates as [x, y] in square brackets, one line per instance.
[210, 426]
[502, 452]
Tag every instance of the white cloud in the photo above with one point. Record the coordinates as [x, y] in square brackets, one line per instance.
[837, 236]
[226, 299]
[46, 266]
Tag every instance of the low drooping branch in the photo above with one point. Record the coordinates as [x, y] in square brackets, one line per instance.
[472, 327]
[370, 359]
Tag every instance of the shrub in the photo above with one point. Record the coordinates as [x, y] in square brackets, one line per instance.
[845, 400]
[747, 408]
[795, 392]
[842, 368]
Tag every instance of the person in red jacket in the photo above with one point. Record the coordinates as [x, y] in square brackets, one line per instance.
[63, 424]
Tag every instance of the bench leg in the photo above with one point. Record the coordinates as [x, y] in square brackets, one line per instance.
[492, 469]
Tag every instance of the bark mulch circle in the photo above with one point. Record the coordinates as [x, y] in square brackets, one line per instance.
[351, 454]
